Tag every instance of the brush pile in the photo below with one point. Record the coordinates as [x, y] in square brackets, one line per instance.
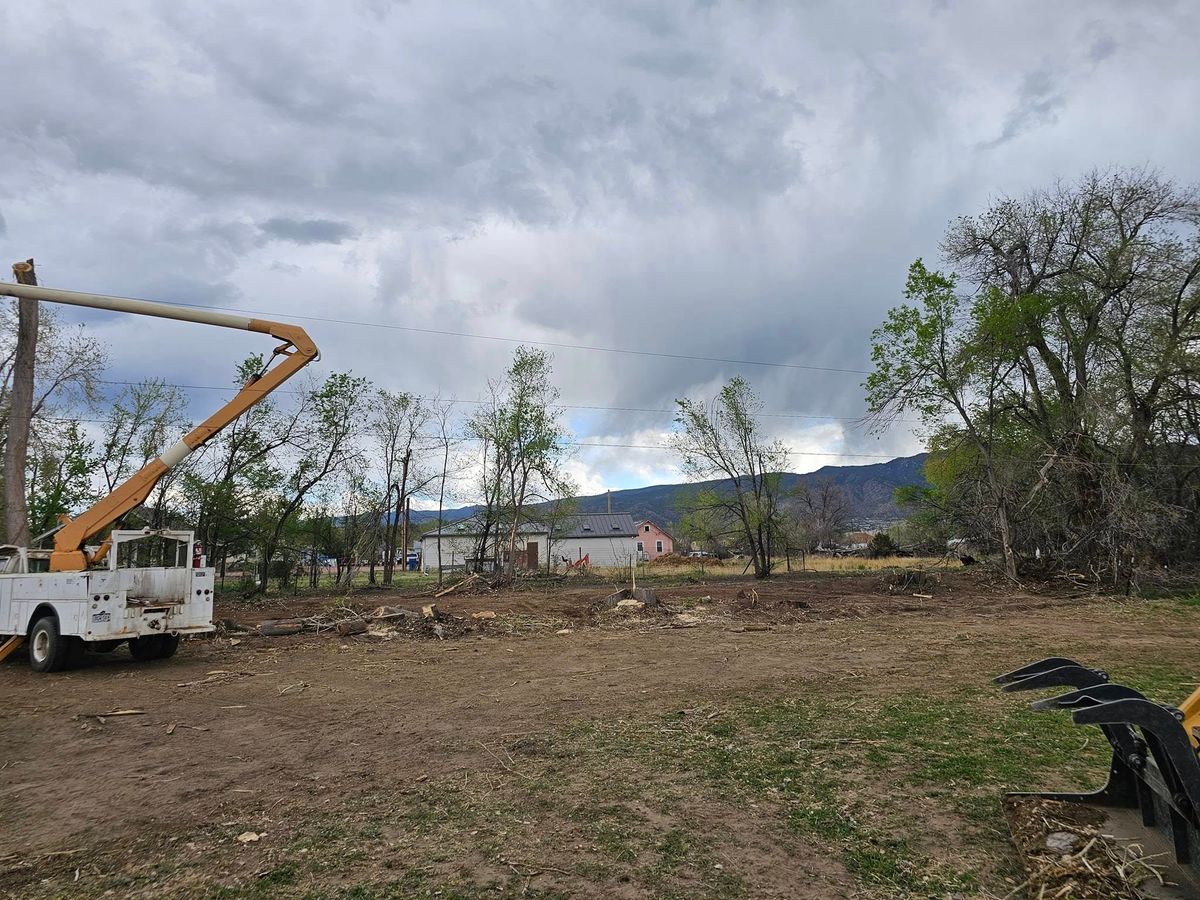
[475, 584]
[384, 622]
[1067, 854]
[912, 581]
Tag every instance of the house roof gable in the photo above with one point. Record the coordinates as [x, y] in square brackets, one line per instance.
[656, 526]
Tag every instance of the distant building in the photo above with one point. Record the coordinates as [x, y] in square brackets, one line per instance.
[859, 540]
[606, 539]
[653, 541]
[459, 546]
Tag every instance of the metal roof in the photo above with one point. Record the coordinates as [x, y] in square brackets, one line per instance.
[598, 525]
[594, 525]
[473, 526]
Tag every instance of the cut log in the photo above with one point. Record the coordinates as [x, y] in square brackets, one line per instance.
[352, 626]
[279, 628]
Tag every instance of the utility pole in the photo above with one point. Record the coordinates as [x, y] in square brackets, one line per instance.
[20, 412]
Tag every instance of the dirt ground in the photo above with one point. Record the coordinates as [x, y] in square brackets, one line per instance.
[561, 750]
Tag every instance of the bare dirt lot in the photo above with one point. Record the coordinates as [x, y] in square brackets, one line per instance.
[825, 738]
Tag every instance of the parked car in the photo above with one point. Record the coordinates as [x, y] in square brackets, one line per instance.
[699, 554]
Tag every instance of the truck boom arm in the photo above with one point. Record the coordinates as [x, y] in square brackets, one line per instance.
[296, 351]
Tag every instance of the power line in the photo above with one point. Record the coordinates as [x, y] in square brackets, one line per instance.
[591, 348]
[837, 455]
[69, 420]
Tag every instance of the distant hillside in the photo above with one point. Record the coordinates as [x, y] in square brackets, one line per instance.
[869, 490]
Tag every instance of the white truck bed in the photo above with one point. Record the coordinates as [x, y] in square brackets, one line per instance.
[111, 605]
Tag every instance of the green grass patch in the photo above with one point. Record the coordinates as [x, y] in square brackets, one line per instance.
[847, 770]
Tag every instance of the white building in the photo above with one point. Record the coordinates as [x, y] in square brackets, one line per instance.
[606, 539]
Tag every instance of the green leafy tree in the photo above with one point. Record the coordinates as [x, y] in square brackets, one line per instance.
[224, 487]
[323, 443]
[525, 449]
[1055, 368]
[881, 546]
[723, 439]
[707, 519]
[60, 471]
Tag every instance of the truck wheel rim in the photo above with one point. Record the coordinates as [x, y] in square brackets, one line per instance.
[41, 646]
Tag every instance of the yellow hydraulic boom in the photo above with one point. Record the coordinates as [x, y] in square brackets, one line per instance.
[1191, 717]
[296, 351]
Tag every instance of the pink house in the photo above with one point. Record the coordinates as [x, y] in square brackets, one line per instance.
[652, 541]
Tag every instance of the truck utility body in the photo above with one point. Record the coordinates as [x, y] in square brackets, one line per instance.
[114, 604]
[137, 586]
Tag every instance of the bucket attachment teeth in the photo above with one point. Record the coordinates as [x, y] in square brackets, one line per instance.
[1055, 671]
[1155, 767]
[1088, 696]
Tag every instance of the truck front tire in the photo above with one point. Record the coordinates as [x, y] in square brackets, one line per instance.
[50, 651]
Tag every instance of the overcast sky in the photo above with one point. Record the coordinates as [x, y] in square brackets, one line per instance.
[744, 180]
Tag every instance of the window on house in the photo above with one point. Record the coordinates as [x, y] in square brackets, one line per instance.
[646, 528]
[640, 547]
[658, 547]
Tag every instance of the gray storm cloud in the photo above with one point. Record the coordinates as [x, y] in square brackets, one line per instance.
[307, 231]
[744, 181]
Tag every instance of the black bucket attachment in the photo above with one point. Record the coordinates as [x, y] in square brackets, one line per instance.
[1155, 768]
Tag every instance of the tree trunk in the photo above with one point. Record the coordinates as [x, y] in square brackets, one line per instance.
[16, 512]
[441, 502]
[389, 551]
[1010, 558]
[404, 536]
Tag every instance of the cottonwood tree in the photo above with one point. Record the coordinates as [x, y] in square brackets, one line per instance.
[223, 485]
[821, 513]
[398, 430]
[20, 403]
[67, 366]
[443, 442]
[1057, 360]
[141, 423]
[928, 358]
[322, 443]
[524, 448]
[723, 439]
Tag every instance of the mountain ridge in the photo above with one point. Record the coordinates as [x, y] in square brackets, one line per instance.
[869, 491]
